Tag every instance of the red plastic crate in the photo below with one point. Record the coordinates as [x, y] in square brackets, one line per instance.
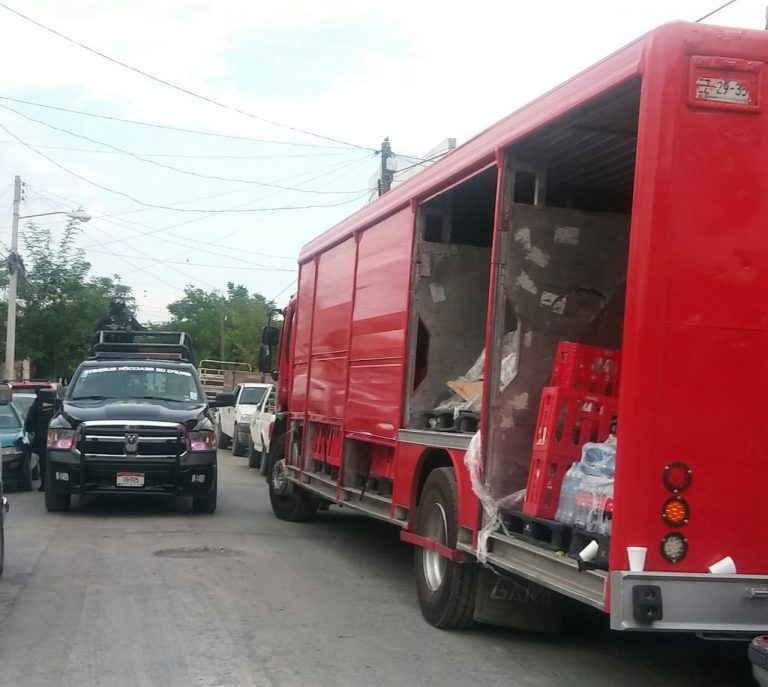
[545, 480]
[587, 368]
[568, 419]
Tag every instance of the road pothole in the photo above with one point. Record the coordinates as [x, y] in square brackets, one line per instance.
[199, 552]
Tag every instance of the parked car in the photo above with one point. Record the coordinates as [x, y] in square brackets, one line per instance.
[261, 422]
[20, 465]
[5, 396]
[233, 425]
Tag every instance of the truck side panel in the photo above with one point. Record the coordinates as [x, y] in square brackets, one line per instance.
[379, 328]
[330, 333]
[302, 333]
[695, 353]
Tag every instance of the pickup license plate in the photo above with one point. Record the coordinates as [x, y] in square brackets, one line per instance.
[130, 479]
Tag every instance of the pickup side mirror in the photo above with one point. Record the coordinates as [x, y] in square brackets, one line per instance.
[5, 394]
[224, 400]
[47, 394]
[265, 358]
[270, 336]
[275, 374]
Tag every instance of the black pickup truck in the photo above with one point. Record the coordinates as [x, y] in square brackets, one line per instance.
[134, 420]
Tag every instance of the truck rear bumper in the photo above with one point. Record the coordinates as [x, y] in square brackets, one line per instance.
[689, 602]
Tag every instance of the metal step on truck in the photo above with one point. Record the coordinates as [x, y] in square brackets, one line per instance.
[584, 274]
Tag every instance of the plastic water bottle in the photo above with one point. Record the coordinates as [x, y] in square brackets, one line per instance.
[568, 495]
[605, 524]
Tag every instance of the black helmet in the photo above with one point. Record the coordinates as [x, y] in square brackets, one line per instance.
[117, 304]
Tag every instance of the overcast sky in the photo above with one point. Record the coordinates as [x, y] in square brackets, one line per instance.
[353, 71]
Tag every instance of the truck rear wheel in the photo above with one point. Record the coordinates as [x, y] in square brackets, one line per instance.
[289, 501]
[446, 589]
[54, 501]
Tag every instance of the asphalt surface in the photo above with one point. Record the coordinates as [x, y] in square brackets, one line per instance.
[144, 593]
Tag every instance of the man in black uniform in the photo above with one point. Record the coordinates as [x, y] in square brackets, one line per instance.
[119, 318]
[36, 424]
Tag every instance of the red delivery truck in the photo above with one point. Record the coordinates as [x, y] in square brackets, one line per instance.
[586, 275]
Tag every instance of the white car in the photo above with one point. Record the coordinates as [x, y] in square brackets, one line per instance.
[233, 425]
[258, 445]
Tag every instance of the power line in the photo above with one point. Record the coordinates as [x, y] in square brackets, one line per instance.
[157, 206]
[715, 11]
[185, 156]
[190, 264]
[181, 89]
[181, 129]
[164, 165]
[274, 298]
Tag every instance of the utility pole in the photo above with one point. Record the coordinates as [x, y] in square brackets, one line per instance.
[222, 334]
[13, 269]
[386, 175]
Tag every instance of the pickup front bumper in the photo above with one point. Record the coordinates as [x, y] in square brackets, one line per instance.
[192, 474]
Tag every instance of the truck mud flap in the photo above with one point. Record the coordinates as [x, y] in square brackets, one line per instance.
[510, 601]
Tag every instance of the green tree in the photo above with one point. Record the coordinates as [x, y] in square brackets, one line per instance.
[59, 302]
[237, 314]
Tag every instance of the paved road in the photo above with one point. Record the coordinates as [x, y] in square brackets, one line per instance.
[147, 594]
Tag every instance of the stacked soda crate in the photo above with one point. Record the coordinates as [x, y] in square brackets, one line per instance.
[580, 406]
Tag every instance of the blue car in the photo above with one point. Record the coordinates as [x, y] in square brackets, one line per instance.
[19, 465]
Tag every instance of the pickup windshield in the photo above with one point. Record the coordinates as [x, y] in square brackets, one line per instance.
[148, 382]
[252, 395]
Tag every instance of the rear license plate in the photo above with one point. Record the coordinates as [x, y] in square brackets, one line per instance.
[130, 479]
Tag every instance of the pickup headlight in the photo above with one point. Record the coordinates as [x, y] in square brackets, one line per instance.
[202, 441]
[64, 439]
[246, 417]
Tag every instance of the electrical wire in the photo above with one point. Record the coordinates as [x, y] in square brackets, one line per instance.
[420, 164]
[164, 165]
[157, 206]
[715, 11]
[191, 264]
[274, 298]
[185, 156]
[181, 89]
[169, 127]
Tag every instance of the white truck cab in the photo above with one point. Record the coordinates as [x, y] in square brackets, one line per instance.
[233, 425]
[261, 422]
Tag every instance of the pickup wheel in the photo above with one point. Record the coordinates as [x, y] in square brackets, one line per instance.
[254, 457]
[238, 448]
[289, 501]
[222, 440]
[54, 501]
[25, 483]
[446, 589]
[207, 503]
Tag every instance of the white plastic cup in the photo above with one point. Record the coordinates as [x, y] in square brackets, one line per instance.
[589, 551]
[636, 555]
[725, 566]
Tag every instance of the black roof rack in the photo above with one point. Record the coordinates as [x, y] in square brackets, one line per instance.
[149, 345]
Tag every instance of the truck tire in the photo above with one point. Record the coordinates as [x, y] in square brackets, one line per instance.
[238, 448]
[222, 440]
[25, 483]
[289, 501]
[207, 503]
[2, 543]
[54, 502]
[446, 590]
[254, 456]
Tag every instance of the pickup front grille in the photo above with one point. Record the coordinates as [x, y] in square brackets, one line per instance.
[132, 440]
